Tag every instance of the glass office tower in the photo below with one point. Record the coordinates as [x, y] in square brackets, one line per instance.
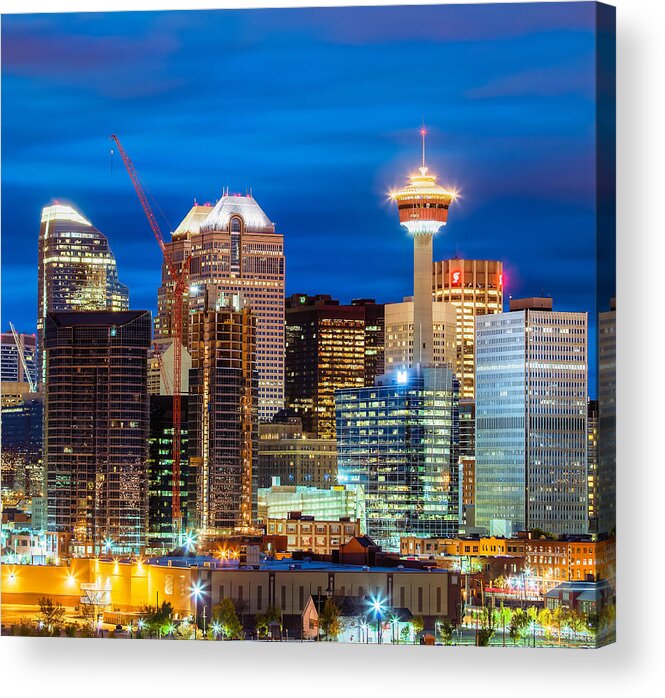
[531, 419]
[76, 269]
[96, 421]
[222, 409]
[399, 440]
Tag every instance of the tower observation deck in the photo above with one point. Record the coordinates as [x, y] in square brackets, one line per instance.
[423, 210]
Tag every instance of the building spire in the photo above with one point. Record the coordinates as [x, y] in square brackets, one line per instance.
[423, 133]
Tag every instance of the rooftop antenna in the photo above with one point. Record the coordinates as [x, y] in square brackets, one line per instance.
[423, 133]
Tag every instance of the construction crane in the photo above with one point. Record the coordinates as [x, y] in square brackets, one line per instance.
[179, 280]
[162, 369]
[21, 352]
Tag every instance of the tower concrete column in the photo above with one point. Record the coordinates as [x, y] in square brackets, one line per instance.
[423, 323]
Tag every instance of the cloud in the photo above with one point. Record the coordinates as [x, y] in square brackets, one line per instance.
[576, 78]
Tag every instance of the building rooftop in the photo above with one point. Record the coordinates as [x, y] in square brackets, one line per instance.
[246, 207]
[67, 318]
[191, 223]
[62, 212]
[283, 565]
[530, 304]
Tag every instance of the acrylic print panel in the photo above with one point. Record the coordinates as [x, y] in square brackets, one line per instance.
[319, 345]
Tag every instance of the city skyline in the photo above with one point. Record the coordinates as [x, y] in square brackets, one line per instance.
[321, 167]
[297, 388]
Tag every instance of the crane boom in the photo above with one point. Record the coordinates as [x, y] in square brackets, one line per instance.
[21, 352]
[131, 171]
[179, 279]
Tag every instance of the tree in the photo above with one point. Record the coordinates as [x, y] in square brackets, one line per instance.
[446, 632]
[518, 624]
[51, 615]
[417, 624]
[24, 627]
[157, 619]
[545, 620]
[487, 627]
[86, 631]
[503, 618]
[539, 533]
[225, 614]
[329, 621]
[575, 622]
[558, 620]
[263, 621]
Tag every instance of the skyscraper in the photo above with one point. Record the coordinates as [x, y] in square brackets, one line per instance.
[160, 471]
[531, 419]
[235, 251]
[22, 462]
[607, 387]
[293, 455]
[474, 287]
[374, 337]
[11, 364]
[467, 462]
[423, 211]
[77, 270]
[398, 440]
[592, 465]
[96, 426]
[400, 335]
[223, 393]
[326, 350]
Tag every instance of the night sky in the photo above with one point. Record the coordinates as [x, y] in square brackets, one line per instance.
[317, 111]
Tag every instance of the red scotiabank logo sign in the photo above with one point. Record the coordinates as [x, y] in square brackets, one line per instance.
[455, 278]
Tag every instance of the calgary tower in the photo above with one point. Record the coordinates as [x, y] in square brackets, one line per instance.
[423, 210]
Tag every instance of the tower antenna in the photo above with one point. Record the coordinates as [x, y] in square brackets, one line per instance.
[423, 133]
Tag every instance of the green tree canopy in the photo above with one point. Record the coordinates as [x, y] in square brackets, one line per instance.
[329, 621]
[518, 624]
[51, 615]
[226, 615]
[263, 621]
[157, 619]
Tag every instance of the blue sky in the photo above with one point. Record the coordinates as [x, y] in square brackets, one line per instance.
[318, 112]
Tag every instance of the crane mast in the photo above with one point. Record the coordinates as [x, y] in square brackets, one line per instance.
[179, 280]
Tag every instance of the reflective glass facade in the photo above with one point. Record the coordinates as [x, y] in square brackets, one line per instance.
[11, 366]
[531, 421]
[77, 269]
[399, 440]
[607, 405]
[22, 467]
[160, 470]
[96, 419]
[329, 346]
[293, 455]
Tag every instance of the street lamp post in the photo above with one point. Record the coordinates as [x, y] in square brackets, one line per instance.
[378, 608]
[196, 592]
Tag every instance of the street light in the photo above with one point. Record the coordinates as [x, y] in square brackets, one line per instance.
[196, 593]
[190, 540]
[216, 629]
[377, 606]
